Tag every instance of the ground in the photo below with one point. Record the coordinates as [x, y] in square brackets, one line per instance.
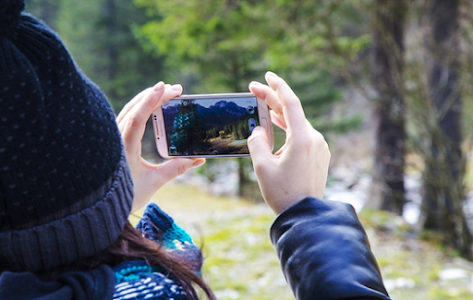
[241, 263]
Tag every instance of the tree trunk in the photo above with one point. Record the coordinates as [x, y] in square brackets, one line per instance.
[444, 171]
[247, 188]
[387, 79]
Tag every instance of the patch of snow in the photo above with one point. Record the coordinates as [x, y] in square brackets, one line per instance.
[454, 274]
[399, 283]
[355, 198]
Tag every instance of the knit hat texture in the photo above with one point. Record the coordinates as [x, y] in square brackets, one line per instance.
[65, 186]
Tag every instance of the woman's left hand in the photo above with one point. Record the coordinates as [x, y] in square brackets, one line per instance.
[147, 177]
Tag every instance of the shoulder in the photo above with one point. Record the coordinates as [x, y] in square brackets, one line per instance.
[137, 280]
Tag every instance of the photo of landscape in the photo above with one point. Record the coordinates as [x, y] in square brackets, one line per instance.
[209, 126]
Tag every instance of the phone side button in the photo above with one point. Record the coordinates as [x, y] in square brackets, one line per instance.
[160, 130]
[264, 122]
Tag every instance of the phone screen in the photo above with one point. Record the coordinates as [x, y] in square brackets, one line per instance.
[209, 126]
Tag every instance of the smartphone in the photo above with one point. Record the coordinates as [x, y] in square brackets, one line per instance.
[213, 125]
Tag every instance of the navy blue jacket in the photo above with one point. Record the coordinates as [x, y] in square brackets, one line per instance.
[325, 253]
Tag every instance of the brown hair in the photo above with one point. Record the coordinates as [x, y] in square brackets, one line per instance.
[131, 245]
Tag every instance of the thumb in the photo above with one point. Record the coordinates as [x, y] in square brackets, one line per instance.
[178, 166]
[258, 144]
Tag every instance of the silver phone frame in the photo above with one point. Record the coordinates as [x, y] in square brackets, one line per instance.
[160, 132]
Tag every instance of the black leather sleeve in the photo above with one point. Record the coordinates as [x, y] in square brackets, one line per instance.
[325, 253]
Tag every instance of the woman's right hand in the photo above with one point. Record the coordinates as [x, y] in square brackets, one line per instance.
[299, 168]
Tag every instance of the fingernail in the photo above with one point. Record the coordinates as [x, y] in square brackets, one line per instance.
[271, 74]
[158, 86]
[198, 162]
[176, 87]
[255, 83]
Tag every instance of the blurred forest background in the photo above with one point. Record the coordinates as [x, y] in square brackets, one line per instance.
[388, 82]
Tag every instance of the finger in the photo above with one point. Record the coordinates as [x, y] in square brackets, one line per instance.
[276, 121]
[293, 112]
[261, 91]
[126, 109]
[137, 104]
[171, 91]
[133, 125]
[260, 149]
[177, 166]
[267, 94]
[150, 101]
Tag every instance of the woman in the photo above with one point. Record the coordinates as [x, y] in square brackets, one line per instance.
[69, 178]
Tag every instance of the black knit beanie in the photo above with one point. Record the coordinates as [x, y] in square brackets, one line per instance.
[65, 186]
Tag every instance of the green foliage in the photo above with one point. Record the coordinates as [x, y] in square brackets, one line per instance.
[233, 42]
[209, 38]
[100, 38]
[220, 46]
[319, 34]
